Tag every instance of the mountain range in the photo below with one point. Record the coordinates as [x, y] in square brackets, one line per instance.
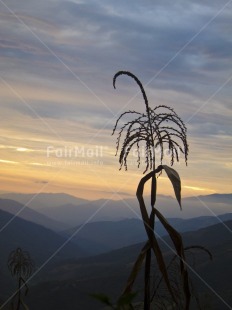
[26, 213]
[68, 285]
[70, 211]
[105, 236]
[97, 237]
[40, 242]
[43, 229]
[39, 200]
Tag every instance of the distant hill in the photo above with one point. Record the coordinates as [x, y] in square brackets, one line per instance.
[110, 235]
[26, 213]
[39, 241]
[218, 198]
[36, 239]
[41, 200]
[74, 211]
[68, 284]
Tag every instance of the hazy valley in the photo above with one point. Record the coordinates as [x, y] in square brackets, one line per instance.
[64, 240]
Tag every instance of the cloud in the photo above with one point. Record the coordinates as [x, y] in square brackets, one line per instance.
[41, 182]
[4, 161]
[194, 188]
[60, 56]
[129, 38]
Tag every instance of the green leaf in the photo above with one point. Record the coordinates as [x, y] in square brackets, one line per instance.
[103, 298]
[126, 299]
[176, 183]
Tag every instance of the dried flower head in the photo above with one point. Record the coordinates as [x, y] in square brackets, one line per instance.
[159, 128]
[20, 263]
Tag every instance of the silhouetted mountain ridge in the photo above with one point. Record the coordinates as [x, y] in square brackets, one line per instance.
[36, 239]
[38, 200]
[73, 211]
[105, 236]
[28, 214]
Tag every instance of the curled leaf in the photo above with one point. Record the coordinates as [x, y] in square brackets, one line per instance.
[176, 183]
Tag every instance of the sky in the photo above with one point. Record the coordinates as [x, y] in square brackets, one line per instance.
[58, 105]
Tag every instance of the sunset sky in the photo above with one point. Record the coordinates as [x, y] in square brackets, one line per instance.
[58, 105]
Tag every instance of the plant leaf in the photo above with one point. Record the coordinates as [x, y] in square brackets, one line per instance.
[178, 243]
[103, 298]
[150, 232]
[23, 304]
[200, 247]
[136, 268]
[176, 183]
[126, 300]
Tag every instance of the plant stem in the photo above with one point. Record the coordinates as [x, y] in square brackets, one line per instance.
[19, 294]
[147, 281]
[148, 268]
[147, 287]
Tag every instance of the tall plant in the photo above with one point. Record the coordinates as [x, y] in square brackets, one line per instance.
[158, 128]
[21, 266]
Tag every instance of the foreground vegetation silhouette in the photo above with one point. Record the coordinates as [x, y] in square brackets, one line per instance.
[21, 266]
[158, 128]
[160, 298]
